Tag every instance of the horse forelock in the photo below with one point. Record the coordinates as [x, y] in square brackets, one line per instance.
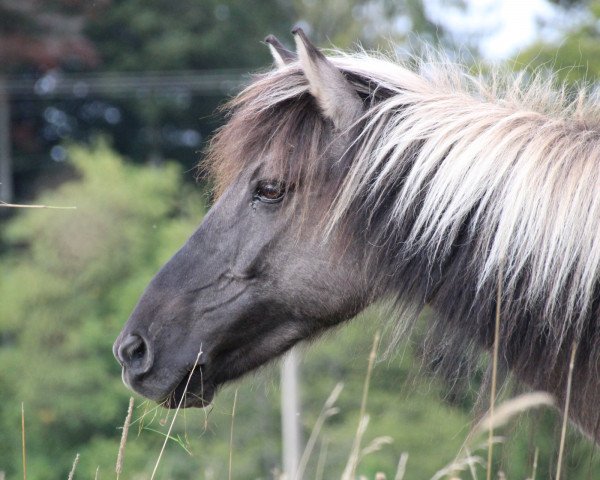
[456, 179]
[273, 121]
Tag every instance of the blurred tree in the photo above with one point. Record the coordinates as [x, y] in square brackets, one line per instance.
[345, 23]
[570, 3]
[159, 35]
[575, 56]
[149, 35]
[66, 288]
[143, 35]
[37, 35]
[45, 33]
[425, 27]
[209, 35]
[374, 24]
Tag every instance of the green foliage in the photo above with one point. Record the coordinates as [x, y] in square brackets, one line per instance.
[227, 33]
[401, 404]
[66, 291]
[186, 34]
[575, 57]
[25, 31]
[346, 23]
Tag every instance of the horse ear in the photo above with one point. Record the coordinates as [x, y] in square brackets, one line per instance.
[281, 55]
[338, 100]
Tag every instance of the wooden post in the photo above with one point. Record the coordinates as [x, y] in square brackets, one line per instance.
[6, 180]
[290, 416]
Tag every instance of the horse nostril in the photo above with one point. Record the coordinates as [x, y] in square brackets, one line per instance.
[134, 354]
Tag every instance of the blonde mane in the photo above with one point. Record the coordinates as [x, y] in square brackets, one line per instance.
[512, 156]
[508, 164]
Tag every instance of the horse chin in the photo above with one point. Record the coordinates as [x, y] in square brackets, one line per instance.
[192, 391]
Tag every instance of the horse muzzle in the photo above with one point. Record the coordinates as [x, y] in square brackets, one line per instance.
[188, 388]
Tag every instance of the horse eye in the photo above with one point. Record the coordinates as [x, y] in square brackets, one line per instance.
[270, 192]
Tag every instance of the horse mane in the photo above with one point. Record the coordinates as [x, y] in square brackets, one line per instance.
[465, 185]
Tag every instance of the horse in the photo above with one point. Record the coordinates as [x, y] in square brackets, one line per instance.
[349, 179]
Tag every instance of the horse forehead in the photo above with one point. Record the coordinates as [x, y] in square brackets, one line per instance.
[269, 164]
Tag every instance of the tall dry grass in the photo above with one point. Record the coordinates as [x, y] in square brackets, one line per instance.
[465, 466]
[124, 433]
[23, 442]
[16, 205]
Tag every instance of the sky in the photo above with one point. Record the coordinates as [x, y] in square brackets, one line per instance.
[505, 26]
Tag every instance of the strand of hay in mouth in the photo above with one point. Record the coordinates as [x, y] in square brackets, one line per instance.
[168, 435]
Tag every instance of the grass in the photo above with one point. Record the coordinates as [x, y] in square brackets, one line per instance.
[121, 454]
[231, 434]
[501, 416]
[497, 417]
[494, 376]
[563, 432]
[506, 411]
[363, 419]
[187, 384]
[329, 410]
[23, 442]
[16, 205]
[73, 468]
[467, 465]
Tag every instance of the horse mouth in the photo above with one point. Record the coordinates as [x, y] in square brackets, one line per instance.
[192, 391]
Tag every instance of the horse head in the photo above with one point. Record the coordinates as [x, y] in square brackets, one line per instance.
[258, 275]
